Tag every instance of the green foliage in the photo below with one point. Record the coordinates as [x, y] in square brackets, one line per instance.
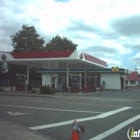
[14, 69]
[27, 40]
[33, 90]
[60, 44]
[1, 89]
[34, 75]
[47, 90]
[3, 67]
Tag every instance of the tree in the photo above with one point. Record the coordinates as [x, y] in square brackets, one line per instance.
[18, 69]
[27, 40]
[60, 44]
[3, 68]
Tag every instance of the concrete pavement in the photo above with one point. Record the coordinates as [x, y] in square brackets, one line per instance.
[37, 94]
[11, 131]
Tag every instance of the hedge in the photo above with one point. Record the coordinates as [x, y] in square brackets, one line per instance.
[47, 90]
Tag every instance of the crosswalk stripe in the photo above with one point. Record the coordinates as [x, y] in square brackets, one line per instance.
[116, 128]
[103, 115]
[52, 109]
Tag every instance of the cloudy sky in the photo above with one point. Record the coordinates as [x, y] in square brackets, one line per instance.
[106, 29]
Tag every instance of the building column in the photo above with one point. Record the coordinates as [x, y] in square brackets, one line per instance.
[67, 74]
[56, 81]
[95, 82]
[128, 82]
[28, 70]
[80, 82]
[85, 75]
[51, 74]
[124, 83]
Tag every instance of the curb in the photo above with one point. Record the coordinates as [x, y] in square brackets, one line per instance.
[28, 94]
[25, 95]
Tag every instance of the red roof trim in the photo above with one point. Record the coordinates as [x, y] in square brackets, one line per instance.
[95, 60]
[28, 55]
[133, 76]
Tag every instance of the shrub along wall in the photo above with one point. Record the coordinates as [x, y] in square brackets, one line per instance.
[47, 90]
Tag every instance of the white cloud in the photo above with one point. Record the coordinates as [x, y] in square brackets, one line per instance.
[113, 44]
[136, 57]
[113, 62]
[99, 27]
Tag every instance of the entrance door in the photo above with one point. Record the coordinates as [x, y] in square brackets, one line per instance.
[59, 82]
[122, 83]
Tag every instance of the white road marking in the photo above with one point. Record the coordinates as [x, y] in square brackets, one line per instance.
[116, 128]
[51, 109]
[80, 120]
[16, 113]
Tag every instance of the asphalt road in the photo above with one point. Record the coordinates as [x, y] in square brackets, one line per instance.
[106, 115]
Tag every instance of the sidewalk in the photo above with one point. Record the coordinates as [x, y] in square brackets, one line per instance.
[25, 93]
[11, 131]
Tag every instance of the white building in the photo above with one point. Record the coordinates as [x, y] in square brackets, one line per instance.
[133, 80]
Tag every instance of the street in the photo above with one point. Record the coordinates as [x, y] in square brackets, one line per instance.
[107, 115]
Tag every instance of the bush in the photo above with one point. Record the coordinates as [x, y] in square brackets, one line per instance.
[1, 89]
[33, 90]
[47, 90]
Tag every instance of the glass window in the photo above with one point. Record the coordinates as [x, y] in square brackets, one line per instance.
[132, 82]
[83, 65]
[78, 65]
[69, 65]
[64, 65]
[60, 65]
[73, 65]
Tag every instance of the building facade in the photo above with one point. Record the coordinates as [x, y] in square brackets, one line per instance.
[133, 80]
[69, 69]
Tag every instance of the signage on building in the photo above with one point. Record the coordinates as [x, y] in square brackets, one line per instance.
[75, 74]
[81, 55]
[3, 56]
[115, 69]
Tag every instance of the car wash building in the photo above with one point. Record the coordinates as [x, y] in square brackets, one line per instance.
[72, 70]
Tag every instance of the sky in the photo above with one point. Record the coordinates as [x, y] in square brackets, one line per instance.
[106, 29]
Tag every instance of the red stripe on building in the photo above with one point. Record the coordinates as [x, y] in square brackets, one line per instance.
[27, 55]
[95, 60]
